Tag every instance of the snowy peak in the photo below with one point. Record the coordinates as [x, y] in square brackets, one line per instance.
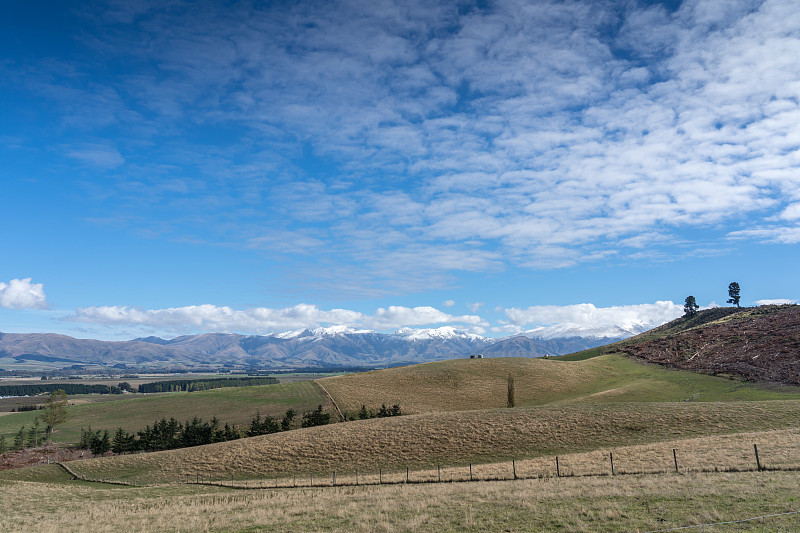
[562, 331]
[443, 333]
[332, 331]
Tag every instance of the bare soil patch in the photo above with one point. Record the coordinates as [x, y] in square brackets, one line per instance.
[41, 455]
[759, 345]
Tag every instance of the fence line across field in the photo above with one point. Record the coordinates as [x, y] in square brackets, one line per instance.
[587, 464]
[793, 515]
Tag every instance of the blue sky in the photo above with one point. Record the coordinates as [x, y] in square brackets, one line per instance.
[179, 167]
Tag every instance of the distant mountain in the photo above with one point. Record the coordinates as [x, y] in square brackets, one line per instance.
[320, 347]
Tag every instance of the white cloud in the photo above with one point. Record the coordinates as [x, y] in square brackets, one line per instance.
[449, 303]
[474, 307]
[776, 301]
[204, 318]
[98, 155]
[588, 315]
[22, 294]
[527, 134]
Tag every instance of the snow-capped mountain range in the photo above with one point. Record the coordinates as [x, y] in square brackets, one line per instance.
[319, 347]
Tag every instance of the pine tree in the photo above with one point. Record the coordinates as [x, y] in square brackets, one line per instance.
[363, 414]
[733, 292]
[690, 307]
[288, 420]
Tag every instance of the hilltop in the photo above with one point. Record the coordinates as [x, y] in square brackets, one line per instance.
[758, 343]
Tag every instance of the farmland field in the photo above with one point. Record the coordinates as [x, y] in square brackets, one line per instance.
[236, 405]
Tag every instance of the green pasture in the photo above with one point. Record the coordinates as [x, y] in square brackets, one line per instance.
[234, 405]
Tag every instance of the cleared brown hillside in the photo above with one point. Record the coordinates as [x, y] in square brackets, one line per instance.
[759, 344]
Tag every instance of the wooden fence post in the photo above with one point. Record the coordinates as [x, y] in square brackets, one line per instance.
[514, 466]
[406, 474]
[611, 456]
[439, 473]
[675, 458]
[558, 470]
[334, 478]
[380, 477]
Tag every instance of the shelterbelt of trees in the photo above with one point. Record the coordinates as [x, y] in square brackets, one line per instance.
[35, 389]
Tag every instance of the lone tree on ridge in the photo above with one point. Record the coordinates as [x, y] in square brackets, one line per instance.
[733, 292]
[690, 307]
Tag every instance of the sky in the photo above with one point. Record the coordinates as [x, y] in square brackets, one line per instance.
[172, 167]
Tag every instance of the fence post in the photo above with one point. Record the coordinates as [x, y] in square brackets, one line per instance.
[611, 456]
[356, 478]
[514, 466]
[334, 478]
[470, 471]
[675, 458]
[439, 473]
[558, 470]
[312, 480]
[380, 477]
[406, 474]
[758, 462]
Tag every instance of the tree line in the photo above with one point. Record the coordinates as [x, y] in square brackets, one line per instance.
[68, 388]
[190, 385]
[170, 434]
[157, 386]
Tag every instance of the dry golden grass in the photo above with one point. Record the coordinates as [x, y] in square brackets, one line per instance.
[471, 384]
[605, 504]
[464, 384]
[423, 441]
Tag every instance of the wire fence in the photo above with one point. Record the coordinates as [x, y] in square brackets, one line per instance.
[772, 523]
[719, 455]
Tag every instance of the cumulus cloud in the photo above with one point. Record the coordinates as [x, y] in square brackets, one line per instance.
[265, 320]
[588, 315]
[22, 294]
[449, 303]
[776, 301]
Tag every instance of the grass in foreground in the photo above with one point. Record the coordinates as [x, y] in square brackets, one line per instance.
[236, 405]
[607, 504]
[465, 384]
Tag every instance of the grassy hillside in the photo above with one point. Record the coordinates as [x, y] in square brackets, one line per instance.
[422, 441]
[230, 405]
[463, 384]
